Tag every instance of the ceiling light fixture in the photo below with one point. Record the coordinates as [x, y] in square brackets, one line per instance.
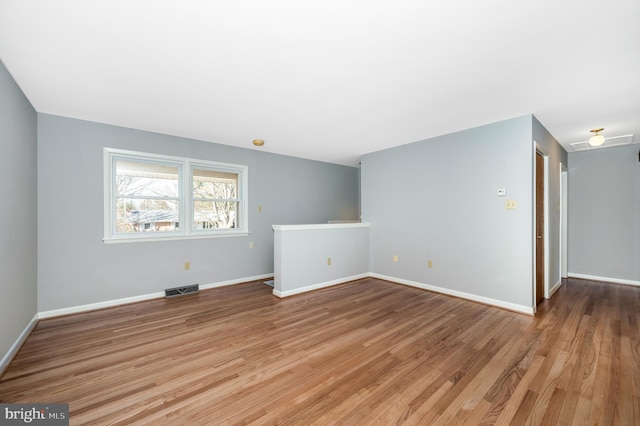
[258, 142]
[597, 139]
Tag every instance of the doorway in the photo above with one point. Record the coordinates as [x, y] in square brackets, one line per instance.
[564, 200]
[540, 228]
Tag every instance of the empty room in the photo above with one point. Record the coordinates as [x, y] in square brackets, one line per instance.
[320, 213]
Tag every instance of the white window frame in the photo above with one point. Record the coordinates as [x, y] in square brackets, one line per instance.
[185, 179]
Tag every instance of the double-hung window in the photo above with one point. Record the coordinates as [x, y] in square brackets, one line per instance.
[150, 196]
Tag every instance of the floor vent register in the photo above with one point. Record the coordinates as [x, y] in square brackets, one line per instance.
[181, 291]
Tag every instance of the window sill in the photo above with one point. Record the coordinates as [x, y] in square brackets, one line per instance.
[174, 237]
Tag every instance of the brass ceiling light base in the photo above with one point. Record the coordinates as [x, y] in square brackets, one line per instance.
[597, 139]
[258, 142]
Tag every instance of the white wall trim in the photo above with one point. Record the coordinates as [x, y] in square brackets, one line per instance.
[539, 150]
[564, 237]
[554, 289]
[13, 350]
[141, 298]
[320, 226]
[99, 305]
[605, 279]
[547, 227]
[233, 282]
[282, 294]
[474, 298]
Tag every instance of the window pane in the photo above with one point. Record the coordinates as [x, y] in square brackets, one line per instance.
[145, 197]
[215, 184]
[215, 214]
[139, 215]
[146, 179]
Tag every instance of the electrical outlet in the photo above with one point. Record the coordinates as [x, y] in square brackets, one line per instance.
[430, 263]
[187, 266]
[328, 261]
[259, 209]
[395, 258]
[250, 244]
[510, 204]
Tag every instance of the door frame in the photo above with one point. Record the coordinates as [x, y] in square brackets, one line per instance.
[564, 234]
[537, 149]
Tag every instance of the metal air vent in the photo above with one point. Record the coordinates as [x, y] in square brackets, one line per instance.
[181, 291]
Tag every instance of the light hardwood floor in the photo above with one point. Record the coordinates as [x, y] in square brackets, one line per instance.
[368, 352]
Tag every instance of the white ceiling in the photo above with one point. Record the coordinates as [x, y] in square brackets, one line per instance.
[327, 79]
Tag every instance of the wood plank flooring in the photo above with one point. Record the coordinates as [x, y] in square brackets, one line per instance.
[368, 352]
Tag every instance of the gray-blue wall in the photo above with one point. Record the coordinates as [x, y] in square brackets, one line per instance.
[76, 267]
[604, 214]
[437, 200]
[18, 253]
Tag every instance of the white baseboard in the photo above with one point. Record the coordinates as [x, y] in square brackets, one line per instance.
[474, 298]
[141, 298]
[555, 288]
[318, 286]
[233, 282]
[13, 350]
[99, 305]
[605, 279]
